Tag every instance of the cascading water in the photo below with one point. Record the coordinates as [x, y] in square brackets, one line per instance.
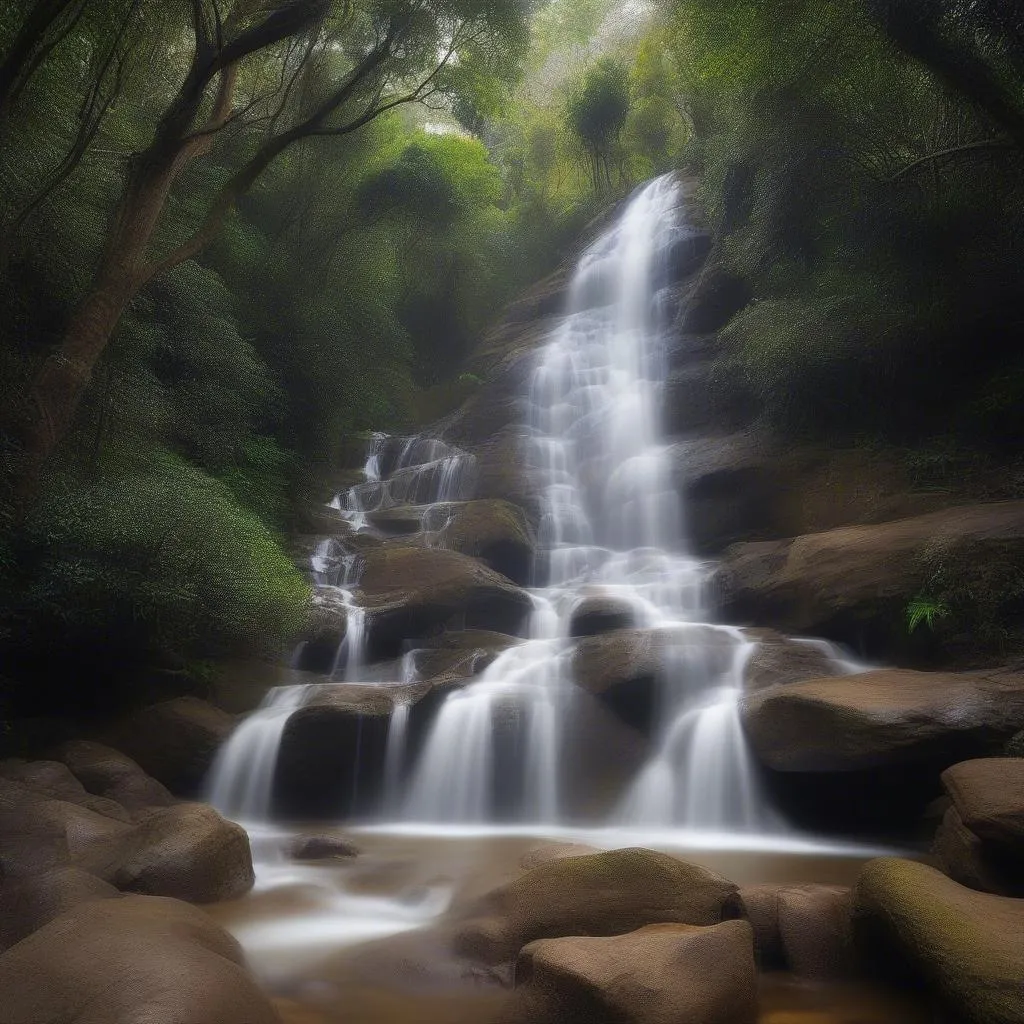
[611, 532]
[611, 528]
[423, 474]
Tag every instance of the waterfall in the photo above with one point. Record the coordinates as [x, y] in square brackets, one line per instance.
[241, 779]
[611, 529]
[611, 526]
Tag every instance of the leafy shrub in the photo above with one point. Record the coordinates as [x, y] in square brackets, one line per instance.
[161, 568]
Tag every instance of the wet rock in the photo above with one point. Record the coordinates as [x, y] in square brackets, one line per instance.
[805, 929]
[28, 904]
[122, 961]
[175, 741]
[457, 656]
[330, 762]
[412, 592]
[322, 848]
[502, 474]
[853, 584]
[887, 717]
[659, 974]
[601, 614]
[980, 842]
[966, 946]
[188, 852]
[325, 629]
[702, 398]
[111, 774]
[53, 778]
[603, 894]
[622, 668]
[777, 660]
[497, 533]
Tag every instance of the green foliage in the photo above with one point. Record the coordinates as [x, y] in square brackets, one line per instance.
[925, 611]
[596, 114]
[159, 567]
[874, 214]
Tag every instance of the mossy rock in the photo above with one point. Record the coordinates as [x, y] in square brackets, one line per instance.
[602, 894]
[967, 947]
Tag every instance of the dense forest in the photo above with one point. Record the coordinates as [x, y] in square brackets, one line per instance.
[235, 234]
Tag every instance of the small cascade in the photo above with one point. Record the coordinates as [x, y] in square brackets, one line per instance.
[242, 777]
[410, 473]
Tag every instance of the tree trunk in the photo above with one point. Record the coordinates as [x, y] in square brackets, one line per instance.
[65, 374]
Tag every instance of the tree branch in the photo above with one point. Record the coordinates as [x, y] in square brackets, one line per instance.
[967, 147]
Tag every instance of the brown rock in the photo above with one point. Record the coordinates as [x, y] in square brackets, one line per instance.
[968, 947]
[29, 903]
[660, 974]
[125, 961]
[601, 614]
[492, 530]
[879, 718]
[801, 928]
[111, 774]
[602, 894]
[855, 582]
[411, 592]
[778, 659]
[174, 741]
[965, 857]
[188, 852]
[38, 833]
[322, 848]
[988, 793]
[54, 779]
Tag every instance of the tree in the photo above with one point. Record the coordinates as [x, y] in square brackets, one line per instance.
[975, 46]
[259, 81]
[597, 112]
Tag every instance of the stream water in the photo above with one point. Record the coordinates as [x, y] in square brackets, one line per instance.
[611, 538]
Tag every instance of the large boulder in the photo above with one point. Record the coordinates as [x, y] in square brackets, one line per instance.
[502, 474]
[854, 584]
[39, 833]
[53, 779]
[330, 762]
[29, 903]
[489, 529]
[412, 592]
[660, 974]
[174, 741]
[805, 929]
[753, 486]
[115, 776]
[966, 946]
[602, 894]
[127, 961]
[188, 852]
[601, 613]
[881, 718]
[980, 842]
[623, 668]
